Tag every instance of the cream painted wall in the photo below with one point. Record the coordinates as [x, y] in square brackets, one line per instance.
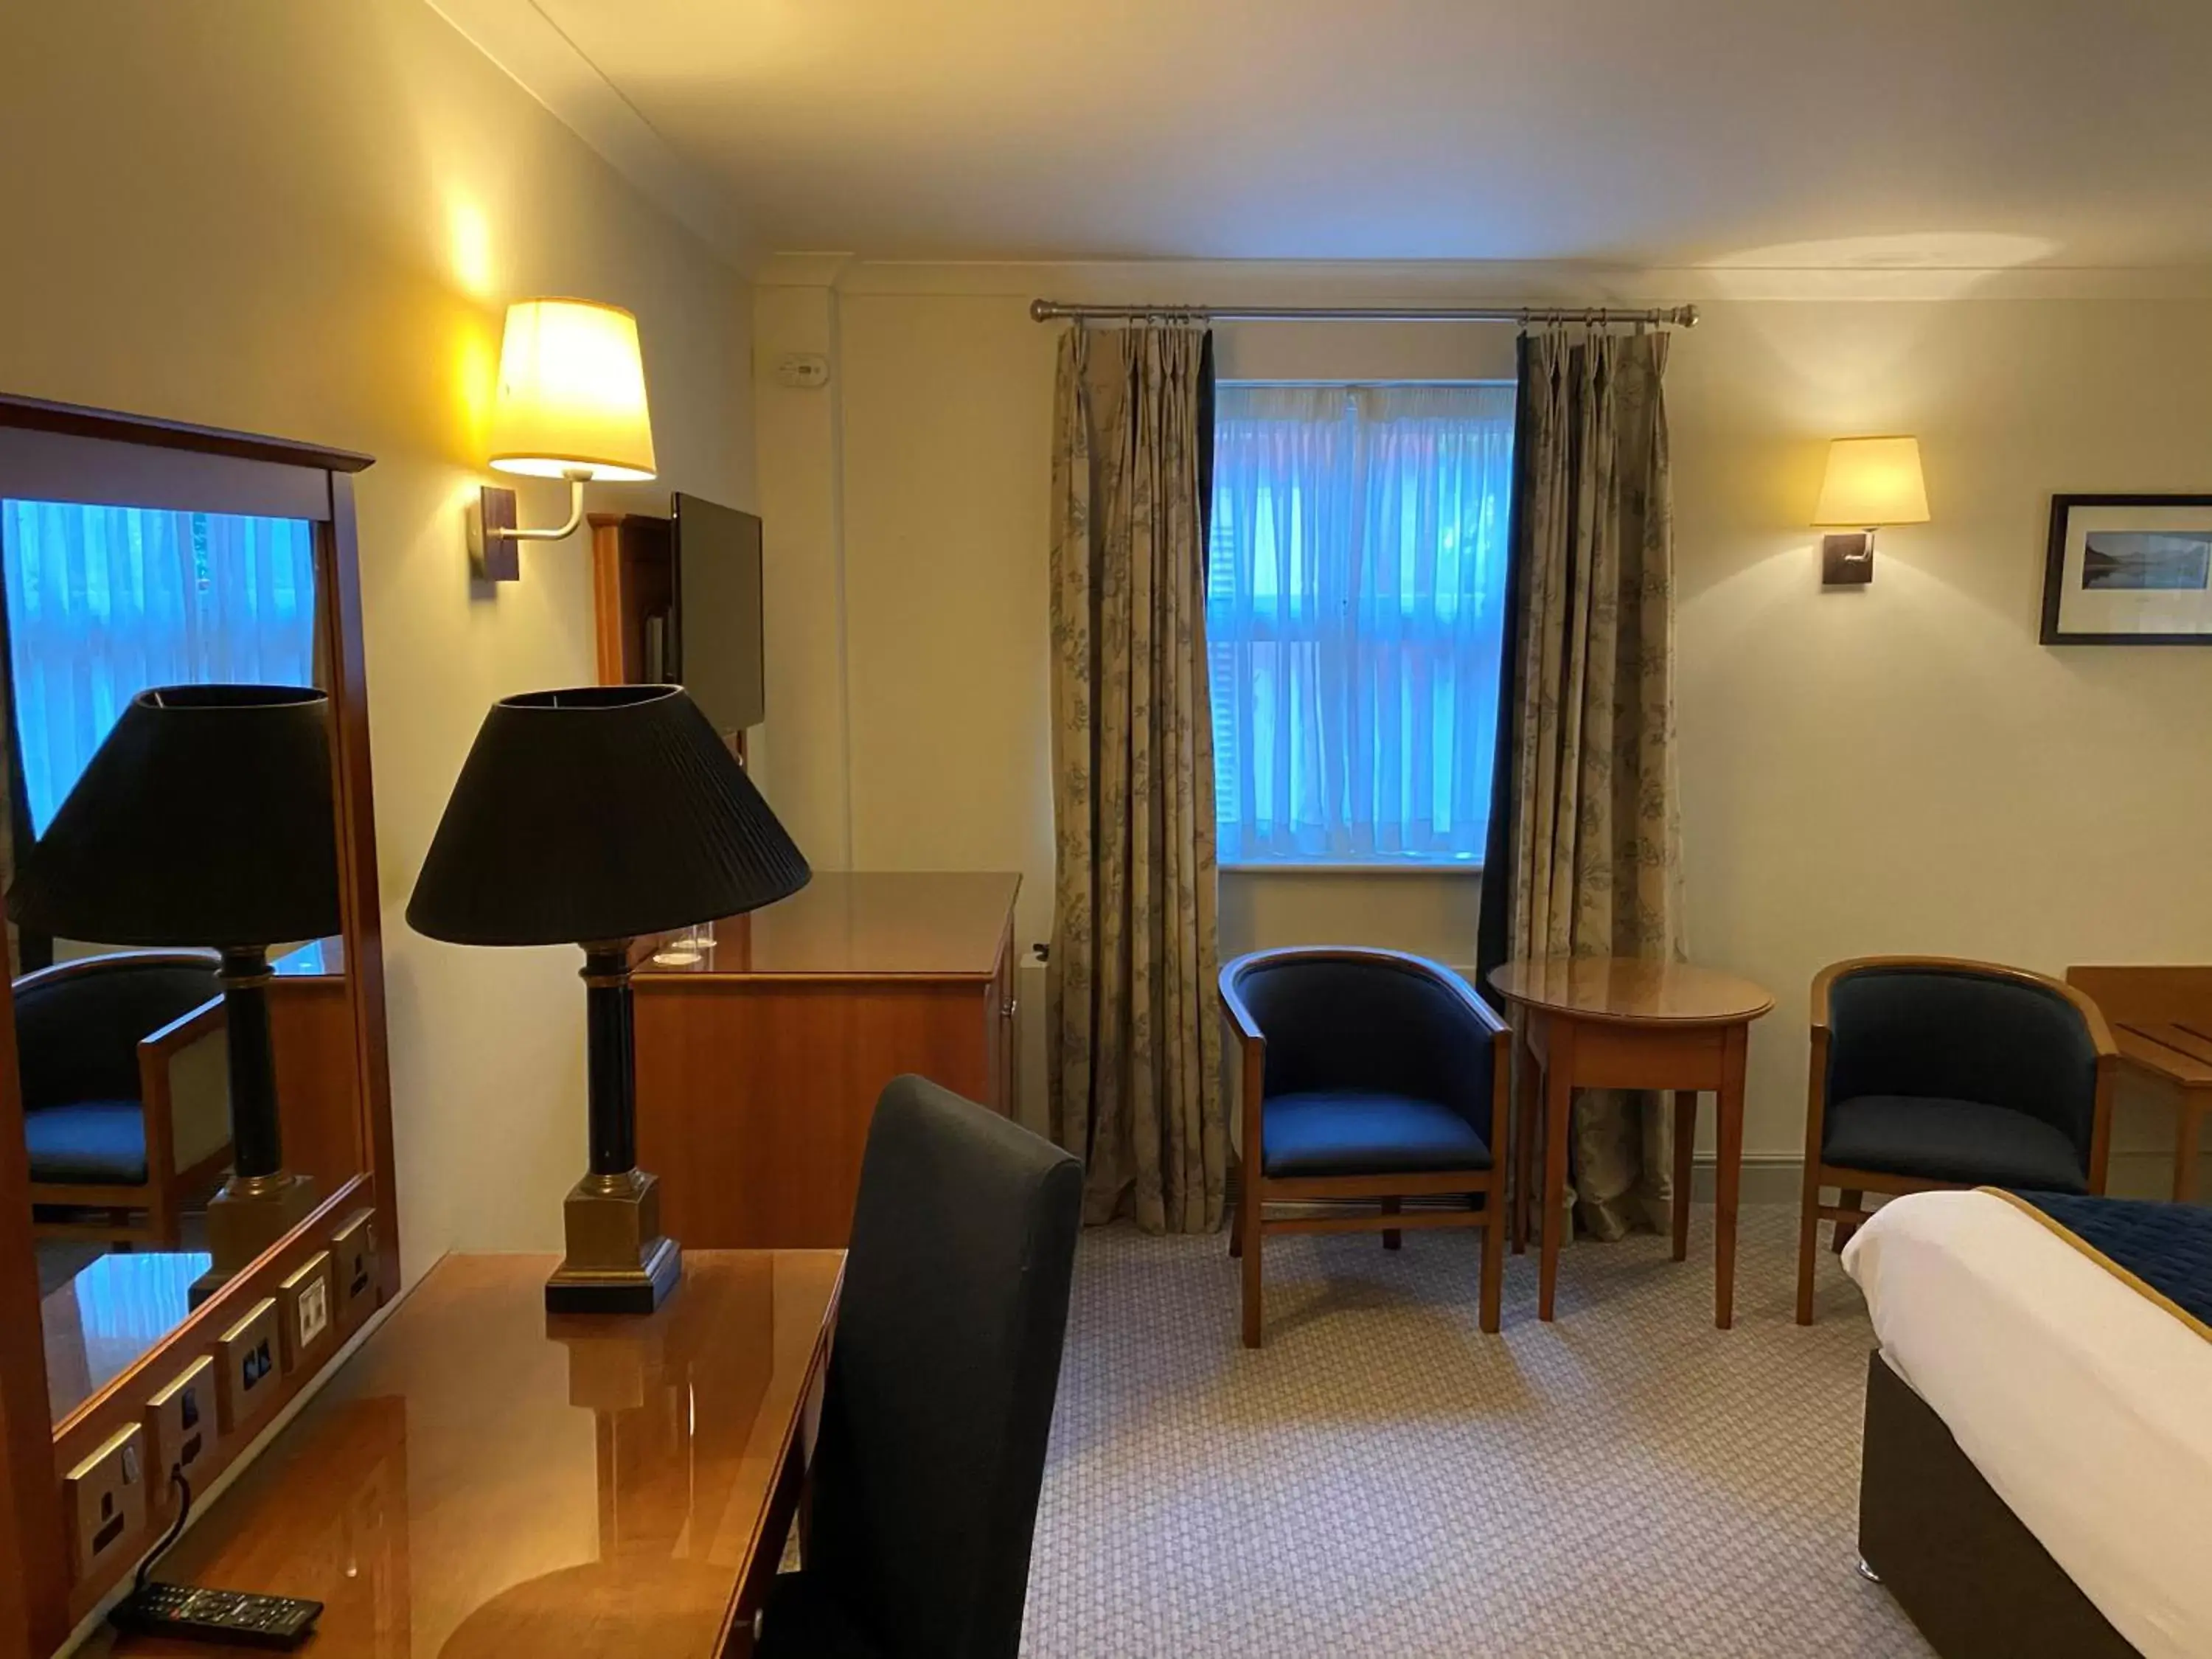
[1904, 768]
[1900, 769]
[305, 219]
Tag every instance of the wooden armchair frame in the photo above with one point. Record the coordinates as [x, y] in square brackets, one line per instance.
[1852, 1185]
[1256, 1189]
[167, 1189]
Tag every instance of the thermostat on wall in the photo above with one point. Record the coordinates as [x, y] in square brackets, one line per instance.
[803, 369]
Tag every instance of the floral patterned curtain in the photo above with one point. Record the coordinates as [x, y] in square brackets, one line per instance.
[1133, 1012]
[1594, 831]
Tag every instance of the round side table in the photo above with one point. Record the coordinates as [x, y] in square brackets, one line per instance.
[1616, 1023]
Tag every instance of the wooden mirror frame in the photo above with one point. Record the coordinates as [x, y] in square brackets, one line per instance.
[59, 452]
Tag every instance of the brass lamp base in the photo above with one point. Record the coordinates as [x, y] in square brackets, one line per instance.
[249, 1215]
[619, 1259]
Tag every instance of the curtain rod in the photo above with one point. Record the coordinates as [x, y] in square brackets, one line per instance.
[1683, 316]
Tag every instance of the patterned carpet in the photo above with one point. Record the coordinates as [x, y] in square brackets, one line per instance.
[1383, 1479]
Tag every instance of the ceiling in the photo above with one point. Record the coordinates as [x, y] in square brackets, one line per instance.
[2073, 132]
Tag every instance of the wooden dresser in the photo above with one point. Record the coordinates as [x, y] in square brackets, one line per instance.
[758, 1066]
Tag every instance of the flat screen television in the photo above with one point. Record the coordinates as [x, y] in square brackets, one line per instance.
[714, 647]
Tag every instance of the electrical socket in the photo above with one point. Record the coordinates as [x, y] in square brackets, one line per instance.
[303, 1301]
[182, 1426]
[249, 1355]
[107, 1496]
[353, 1256]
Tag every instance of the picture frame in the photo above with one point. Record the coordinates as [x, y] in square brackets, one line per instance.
[2129, 569]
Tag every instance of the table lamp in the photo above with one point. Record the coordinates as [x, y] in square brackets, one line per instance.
[1869, 483]
[591, 818]
[206, 818]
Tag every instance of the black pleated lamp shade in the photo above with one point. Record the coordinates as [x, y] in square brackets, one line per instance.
[599, 814]
[204, 819]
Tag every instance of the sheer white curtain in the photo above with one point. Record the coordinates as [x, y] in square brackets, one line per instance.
[1355, 611]
[105, 601]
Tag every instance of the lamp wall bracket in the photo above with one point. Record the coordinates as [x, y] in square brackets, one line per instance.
[1847, 560]
[495, 540]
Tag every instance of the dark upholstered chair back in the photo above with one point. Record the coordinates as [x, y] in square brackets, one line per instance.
[1367, 1024]
[941, 1385]
[1959, 1035]
[78, 1026]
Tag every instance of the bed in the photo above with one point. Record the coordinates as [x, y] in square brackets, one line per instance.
[2037, 1477]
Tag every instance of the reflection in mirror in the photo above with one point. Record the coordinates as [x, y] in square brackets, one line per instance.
[185, 1099]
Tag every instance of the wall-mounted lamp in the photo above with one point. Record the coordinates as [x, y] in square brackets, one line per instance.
[1870, 481]
[571, 405]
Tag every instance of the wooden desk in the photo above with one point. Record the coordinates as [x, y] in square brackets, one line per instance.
[2162, 1019]
[1611, 1023]
[758, 1066]
[481, 1478]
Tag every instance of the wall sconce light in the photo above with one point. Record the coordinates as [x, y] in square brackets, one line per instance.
[1870, 481]
[571, 405]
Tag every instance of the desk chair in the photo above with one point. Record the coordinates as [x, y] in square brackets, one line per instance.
[940, 1392]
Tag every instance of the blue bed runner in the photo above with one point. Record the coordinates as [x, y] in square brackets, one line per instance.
[2168, 1246]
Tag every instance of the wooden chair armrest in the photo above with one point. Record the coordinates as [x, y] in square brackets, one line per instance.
[157, 1104]
[180, 1033]
[1233, 1009]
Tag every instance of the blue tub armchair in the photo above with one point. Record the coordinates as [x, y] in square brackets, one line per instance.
[117, 1149]
[1930, 1072]
[1365, 1075]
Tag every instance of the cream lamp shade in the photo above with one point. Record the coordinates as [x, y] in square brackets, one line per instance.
[1871, 482]
[571, 394]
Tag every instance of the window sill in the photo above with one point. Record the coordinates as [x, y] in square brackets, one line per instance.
[1281, 867]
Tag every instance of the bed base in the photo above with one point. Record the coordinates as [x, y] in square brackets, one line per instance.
[1959, 1563]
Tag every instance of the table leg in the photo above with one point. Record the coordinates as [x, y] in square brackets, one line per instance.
[1525, 1106]
[1559, 1103]
[1727, 1171]
[1686, 1139]
[2188, 1120]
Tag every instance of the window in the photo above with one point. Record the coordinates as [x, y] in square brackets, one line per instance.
[104, 601]
[1354, 611]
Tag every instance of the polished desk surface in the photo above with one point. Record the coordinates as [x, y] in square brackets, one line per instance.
[115, 1309]
[1632, 992]
[865, 924]
[480, 1478]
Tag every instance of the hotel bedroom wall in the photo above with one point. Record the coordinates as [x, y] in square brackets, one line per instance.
[1897, 768]
[305, 219]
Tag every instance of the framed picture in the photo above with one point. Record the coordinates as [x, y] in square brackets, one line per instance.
[2128, 570]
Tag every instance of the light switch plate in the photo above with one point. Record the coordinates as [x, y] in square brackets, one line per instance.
[353, 1268]
[249, 1364]
[303, 1305]
[107, 1496]
[183, 1426]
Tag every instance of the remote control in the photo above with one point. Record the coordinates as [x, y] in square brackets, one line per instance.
[216, 1615]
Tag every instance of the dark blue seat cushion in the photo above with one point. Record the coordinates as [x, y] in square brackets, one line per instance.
[98, 1143]
[1339, 1132]
[1960, 1140]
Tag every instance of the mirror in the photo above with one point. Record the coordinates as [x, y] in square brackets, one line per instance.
[157, 1165]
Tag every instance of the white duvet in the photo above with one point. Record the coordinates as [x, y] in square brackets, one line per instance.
[2086, 1404]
